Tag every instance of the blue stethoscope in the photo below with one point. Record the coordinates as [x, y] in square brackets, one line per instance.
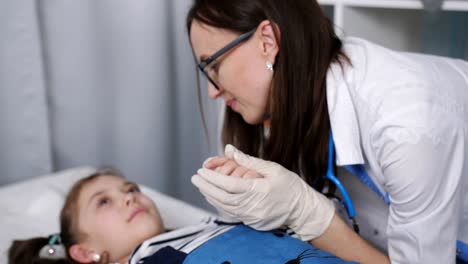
[330, 175]
[360, 172]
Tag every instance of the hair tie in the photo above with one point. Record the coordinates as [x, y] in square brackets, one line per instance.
[54, 248]
[54, 239]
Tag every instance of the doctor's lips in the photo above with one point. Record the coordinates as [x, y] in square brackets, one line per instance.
[135, 213]
[231, 103]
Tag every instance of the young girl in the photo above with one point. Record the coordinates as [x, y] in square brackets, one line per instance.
[102, 212]
[106, 219]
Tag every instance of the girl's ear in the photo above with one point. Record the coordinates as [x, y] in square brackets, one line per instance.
[82, 254]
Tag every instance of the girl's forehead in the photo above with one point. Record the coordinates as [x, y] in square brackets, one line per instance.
[104, 180]
[101, 183]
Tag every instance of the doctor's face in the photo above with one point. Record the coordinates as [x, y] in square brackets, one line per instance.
[115, 216]
[241, 76]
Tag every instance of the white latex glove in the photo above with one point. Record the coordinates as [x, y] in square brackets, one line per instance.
[280, 198]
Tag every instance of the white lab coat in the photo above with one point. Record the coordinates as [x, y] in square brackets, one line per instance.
[405, 117]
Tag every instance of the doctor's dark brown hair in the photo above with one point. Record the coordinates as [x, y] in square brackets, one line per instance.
[27, 251]
[300, 125]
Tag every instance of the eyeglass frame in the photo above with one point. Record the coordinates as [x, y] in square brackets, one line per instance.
[205, 62]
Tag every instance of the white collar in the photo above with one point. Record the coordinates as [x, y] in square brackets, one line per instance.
[343, 118]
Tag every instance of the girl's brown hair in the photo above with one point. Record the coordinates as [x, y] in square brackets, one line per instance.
[27, 251]
[300, 125]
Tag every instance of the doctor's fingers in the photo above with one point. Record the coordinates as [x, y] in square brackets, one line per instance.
[227, 183]
[220, 208]
[233, 210]
[261, 166]
[229, 151]
[213, 192]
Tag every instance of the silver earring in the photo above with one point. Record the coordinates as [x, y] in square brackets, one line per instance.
[96, 257]
[269, 65]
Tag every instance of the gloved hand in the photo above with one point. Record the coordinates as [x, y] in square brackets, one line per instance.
[279, 198]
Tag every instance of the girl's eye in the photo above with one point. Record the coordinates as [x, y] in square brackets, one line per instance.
[133, 189]
[104, 201]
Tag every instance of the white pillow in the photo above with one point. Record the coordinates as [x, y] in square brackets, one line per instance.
[31, 208]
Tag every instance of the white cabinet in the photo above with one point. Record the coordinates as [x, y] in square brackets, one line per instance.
[404, 24]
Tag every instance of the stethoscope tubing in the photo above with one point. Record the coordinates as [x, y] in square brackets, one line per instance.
[330, 175]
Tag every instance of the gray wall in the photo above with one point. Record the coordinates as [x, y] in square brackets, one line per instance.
[102, 83]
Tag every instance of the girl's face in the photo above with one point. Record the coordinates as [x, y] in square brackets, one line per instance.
[115, 216]
[242, 76]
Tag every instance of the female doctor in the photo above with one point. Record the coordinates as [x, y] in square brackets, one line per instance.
[387, 130]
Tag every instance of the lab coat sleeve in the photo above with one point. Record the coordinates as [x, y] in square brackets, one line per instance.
[423, 172]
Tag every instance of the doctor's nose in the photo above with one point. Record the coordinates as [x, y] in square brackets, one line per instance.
[213, 93]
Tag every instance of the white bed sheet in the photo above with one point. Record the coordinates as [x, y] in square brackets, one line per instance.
[31, 208]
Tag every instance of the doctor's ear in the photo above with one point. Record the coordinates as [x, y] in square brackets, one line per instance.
[269, 35]
[82, 254]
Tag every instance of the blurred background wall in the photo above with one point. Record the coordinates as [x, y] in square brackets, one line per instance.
[101, 83]
[113, 83]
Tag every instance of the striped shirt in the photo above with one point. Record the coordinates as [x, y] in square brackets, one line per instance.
[215, 241]
[184, 240]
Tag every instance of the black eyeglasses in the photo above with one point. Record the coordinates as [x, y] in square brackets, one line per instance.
[212, 73]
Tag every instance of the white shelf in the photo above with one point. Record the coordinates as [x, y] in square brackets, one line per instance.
[448, 5]
[328, 2]
[404, 24]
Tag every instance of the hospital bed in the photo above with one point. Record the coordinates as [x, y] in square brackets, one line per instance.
[31, 208]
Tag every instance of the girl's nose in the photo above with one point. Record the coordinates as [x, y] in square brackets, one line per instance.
[213, 93]
[129, 198]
